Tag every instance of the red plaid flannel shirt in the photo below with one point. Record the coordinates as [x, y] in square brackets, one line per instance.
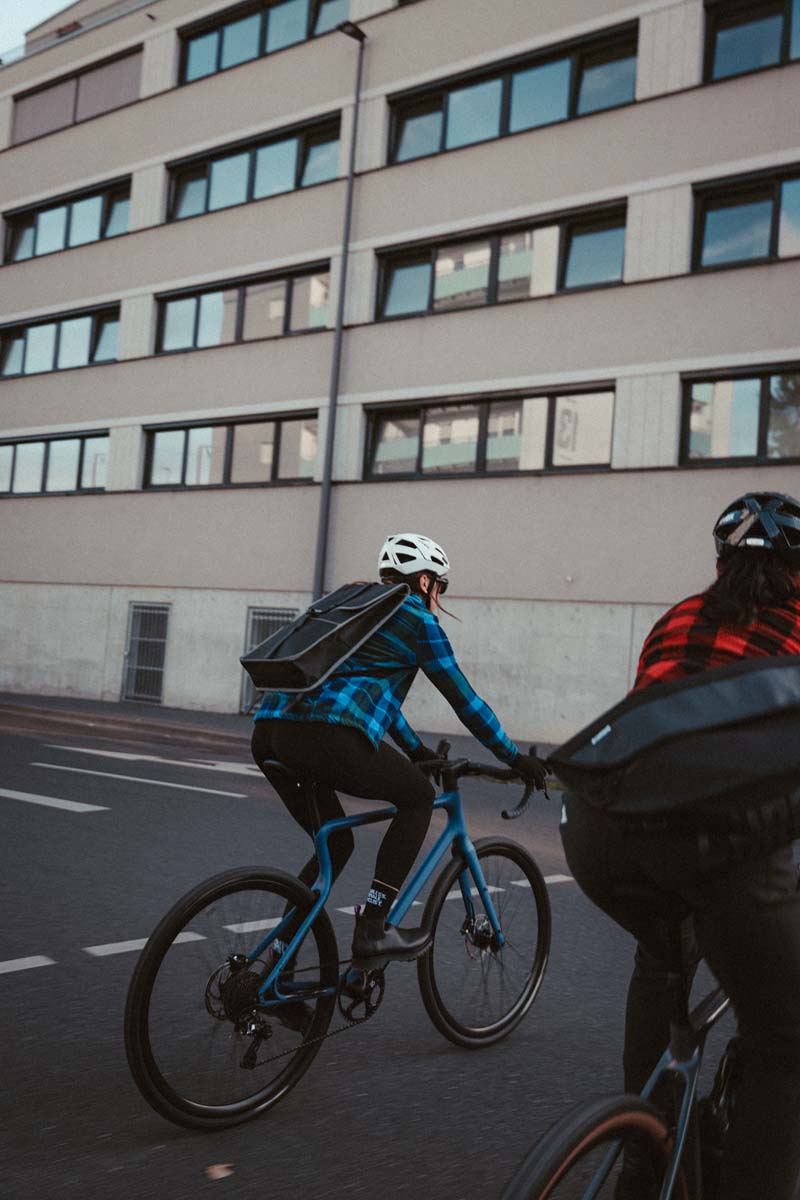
[683, 643]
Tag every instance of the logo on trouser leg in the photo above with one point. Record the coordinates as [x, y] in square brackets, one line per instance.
[375, 897]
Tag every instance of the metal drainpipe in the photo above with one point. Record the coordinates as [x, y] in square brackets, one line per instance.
[353, 31]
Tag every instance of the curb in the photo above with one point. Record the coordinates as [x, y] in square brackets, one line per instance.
[22, 719]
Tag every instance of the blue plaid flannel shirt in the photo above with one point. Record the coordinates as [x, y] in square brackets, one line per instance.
[369, 689]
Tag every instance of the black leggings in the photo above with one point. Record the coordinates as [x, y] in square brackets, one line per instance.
[340, 757]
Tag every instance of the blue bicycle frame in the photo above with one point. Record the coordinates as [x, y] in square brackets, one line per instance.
[454, 834]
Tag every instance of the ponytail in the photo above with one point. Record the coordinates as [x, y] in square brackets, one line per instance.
[747, 581]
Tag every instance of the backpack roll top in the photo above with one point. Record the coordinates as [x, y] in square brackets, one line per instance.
[721, 733]
[302, 655]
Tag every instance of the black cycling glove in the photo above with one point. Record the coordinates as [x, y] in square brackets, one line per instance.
[423, 753]
[531, 768]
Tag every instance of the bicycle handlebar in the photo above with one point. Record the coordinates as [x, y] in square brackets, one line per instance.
[454, 769]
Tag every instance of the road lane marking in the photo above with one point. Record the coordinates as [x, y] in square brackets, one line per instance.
[254, 926]
[52, 801]
[524, 883]
[186, 787]
[237, 768]
[137, 944]
[351, 908]
[25, 964]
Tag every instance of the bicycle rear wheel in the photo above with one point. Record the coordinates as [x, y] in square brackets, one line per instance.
[474, 992]
[203, 1053]
[581, 1156]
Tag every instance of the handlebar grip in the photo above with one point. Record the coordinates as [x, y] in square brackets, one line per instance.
[443, 749]
[512, 814]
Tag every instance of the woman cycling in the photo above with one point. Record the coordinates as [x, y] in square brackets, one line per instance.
[333, 735]
[739, 880]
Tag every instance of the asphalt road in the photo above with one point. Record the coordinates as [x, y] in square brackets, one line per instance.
[389, 1109]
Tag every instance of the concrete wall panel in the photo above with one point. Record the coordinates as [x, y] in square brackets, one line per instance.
[647, 416]
[670, 49]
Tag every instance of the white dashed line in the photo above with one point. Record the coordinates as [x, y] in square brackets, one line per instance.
[137, 944]
[185, 787]
[25, 964]
[254, 926]
[52, 801]
[232, 768]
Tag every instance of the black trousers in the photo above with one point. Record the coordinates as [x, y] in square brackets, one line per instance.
[747, 924]
[340, 758]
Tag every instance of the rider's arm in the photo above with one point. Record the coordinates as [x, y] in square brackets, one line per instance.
[435, 657]
[403, 735]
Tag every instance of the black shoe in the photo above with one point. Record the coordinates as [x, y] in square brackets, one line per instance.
[295, 1015]
[391, 942]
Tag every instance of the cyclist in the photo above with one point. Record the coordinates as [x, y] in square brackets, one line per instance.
[737, 875]
[334, 734]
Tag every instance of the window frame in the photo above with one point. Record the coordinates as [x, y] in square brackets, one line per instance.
[760, 458]
[305, 132]
[732, 192]
[719, 14]
[110, 192]
[100, 315]
[609, 216]
[83, 437]
[576, 50]
[375, 412]
[240, 284]
[278, 420]
[129, 52]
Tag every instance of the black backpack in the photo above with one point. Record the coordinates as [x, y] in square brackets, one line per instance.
[698, 745]
[301, 656]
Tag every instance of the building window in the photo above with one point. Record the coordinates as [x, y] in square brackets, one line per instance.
[567, 82]
[72, 340]
[251, 31]
[224, 455]
[78, 97]
[243, 311]
[480, 437]
[73, 221]
[754, 221]
[282, 164]
[585, 251]
[749, 36]
[743, 418]
[50, 465]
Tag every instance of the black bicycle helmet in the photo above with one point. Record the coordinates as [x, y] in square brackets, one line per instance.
[760, 521]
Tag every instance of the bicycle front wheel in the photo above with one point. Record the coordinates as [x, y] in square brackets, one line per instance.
[474, 991]
[203, 1051]
[582, 1155]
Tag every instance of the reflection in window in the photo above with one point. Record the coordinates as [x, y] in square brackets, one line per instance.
[95, 462]
[408, 287]
[190, 194]
[504, 436]
[310, 301]
[28, 466]
[253, 446]
[276, 165]
[85, 221]
[257, 451]
[461, 275]
[105, 349]
[789, 232]
[420, 132]
[540, 95]
[594, 256]
[201, 56]
[40, 345]
[330, 13]
[62, 465]
[179, 322]
[783, 428]
[515, 272]
[22, 239]
[13, 354]
[228, 182]
[166, 466]
[396, 445]
[450, 439]
[216, 323]
[264, 309]
[287, 23]
[724, 419]
[51, 230]
[205, 455]
[582, 430]
[240, 41]
[473, 113]
[607, 83]
[734, 232]
[76, 222]
[746, 43]
[322, 161]
[298, 453]
[6, 467]
[74, 343]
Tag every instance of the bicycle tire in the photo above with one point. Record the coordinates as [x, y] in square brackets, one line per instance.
[170, 1070]
[562, 1166]
[456, 997]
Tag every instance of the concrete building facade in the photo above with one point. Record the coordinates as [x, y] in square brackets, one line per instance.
[571, 327]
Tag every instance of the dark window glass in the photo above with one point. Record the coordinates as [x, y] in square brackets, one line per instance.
[540, 95]
[287, 23]
[253, 448]
[783, 430]
[420, 132]
[166, 466]
[461, 275]
[473, 113]
[789, 233]
[794, 31]
[521, 272]
[51, 229]
[407, 286]
[298, 454]
[736, 231]
[504, 436]
[331, 13]
[310, 301]
[62, 465]
[264, 309]
[6, 461]
[241, 41]
[179, 319]
[216, 323]
[321, 160]
[22, 236]
[594, 255]
[13, 354]
[276, 167]
[201, 56]
[117, 221]
[40, 344]
[228, 183]
[190, 193]
[396, 445]
[724, 419]
[607, 82]
[582, 430]
[28, 467]
[747, 43]
[450, 439]
[205, 455]
[106, 342]
[74, 342]
[95, 462]
[84, 225]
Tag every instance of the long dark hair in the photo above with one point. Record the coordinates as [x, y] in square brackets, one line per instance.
[747, 581]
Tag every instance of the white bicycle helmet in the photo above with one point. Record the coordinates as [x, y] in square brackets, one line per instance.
[410, 553]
